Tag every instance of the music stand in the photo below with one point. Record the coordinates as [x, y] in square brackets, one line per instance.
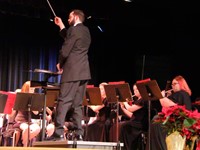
[47, 73]
[52, 94]
[29, 102]
[150, 91]
[44, 85]
[92, 97]
[118, 93]
[38, 84]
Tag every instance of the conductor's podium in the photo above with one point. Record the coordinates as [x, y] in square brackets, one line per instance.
[79, 144]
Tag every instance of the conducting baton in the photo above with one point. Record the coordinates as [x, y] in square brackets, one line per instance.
[51, 8]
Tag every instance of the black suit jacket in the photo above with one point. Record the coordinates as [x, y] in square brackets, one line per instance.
[73, 56]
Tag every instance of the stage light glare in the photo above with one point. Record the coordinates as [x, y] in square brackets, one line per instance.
[128, 1]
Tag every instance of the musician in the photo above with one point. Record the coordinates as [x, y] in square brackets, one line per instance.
[180, 96]
[50, 121]
[19, 120]
[101, 119]
[50, 117]
[130, 130]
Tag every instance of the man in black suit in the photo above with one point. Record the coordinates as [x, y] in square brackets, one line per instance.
[73, 64]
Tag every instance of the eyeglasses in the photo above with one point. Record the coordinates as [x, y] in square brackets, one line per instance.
[173, 84]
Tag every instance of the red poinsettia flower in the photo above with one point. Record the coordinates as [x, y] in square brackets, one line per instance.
[178, 118]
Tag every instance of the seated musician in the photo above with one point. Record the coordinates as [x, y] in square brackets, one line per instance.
[19, 119]
[100, 120]
[50, 125]
[130, 131]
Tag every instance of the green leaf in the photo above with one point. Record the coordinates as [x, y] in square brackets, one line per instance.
[188, 122]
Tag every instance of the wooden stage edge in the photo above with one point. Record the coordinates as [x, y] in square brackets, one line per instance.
[69, 145]
[39, 148]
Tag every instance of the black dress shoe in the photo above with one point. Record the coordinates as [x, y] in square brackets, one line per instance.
[55, 138]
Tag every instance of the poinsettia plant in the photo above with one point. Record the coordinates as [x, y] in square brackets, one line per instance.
[178, 118]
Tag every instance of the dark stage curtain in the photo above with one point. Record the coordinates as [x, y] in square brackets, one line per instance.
[17, 66]
[22, 50]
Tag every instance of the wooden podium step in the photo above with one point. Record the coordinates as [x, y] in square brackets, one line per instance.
[78, 144]
[37, 148]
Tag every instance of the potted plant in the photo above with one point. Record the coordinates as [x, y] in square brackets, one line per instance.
[178, 119]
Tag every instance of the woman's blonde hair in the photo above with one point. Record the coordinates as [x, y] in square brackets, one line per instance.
[26, 87]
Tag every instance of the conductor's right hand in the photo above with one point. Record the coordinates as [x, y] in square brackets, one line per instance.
[58, 22]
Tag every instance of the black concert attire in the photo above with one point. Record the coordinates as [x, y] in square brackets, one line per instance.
[112, 124]
[98, 130]
[130, 131]
[73, 59]
[157, 132]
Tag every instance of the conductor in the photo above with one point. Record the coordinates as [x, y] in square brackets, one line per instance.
[73, 64]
